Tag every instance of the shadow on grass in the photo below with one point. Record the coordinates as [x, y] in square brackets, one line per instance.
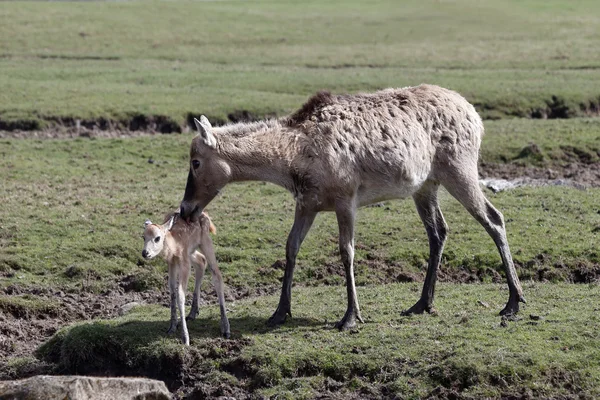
[144, 347]
[210, 328]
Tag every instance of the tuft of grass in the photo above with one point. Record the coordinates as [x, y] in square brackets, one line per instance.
[551, 351]
[22, 367]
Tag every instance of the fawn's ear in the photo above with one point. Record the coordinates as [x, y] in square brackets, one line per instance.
[147, 222]
[204, 131]
[170, 223]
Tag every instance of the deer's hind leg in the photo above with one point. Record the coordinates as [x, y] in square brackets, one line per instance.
[209, 252]
[173, 269]
[346, 212]
[217, 280]
[427, 205]
[199, 262]
[463, 184]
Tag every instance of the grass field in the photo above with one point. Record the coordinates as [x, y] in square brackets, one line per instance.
[72, 210]
[79, 205]
[118, 60]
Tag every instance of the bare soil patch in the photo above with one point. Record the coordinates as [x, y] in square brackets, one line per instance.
[134, 125]
[579, 173]
[23, 329]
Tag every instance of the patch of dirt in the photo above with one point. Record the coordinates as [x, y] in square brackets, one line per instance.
[68, 133]
[392, 272]
[22, 331]
[556, 107]
[99, 127]
[542, 268]
[133, 125]
[580, 173]
[586, 274]
[222, 390]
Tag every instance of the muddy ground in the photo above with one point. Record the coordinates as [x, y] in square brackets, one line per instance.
[23, 329]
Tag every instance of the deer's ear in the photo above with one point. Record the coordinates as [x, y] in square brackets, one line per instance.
[204, 131]
[170, 223]
[147, 222]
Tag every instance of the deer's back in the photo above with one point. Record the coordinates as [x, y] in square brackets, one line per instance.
[394, 137]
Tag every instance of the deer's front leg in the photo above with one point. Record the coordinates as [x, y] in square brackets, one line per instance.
[345, 213]
[302, 222]
[185, 336]
[173, 294]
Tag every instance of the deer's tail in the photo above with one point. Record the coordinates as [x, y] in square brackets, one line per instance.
[211, 227]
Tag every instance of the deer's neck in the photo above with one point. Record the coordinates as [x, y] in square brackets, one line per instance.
[261, 153]
[168, 251]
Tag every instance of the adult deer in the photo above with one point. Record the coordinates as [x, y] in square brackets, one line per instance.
[340, 152]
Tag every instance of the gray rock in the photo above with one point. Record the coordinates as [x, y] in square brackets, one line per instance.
[499, 185]
[83, 388]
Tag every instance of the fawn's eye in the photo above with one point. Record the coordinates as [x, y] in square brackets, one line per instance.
[157, 239]
[195, 164]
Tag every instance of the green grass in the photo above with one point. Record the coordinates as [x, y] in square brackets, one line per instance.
[115, 60]
[559, 141]
[73, 212]
[551, 352]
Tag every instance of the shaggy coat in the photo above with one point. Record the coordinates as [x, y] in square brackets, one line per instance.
[340, 152]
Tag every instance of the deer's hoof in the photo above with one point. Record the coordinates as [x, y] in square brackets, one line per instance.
[191, 316]
[276, 320]
[225, 330]
[512, 307]
[346, 325]
[172, 329]
[349, 321]
[419, 308]
[279, 317]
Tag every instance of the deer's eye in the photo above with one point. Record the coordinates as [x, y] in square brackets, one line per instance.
[157, 239]
[195, 164]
